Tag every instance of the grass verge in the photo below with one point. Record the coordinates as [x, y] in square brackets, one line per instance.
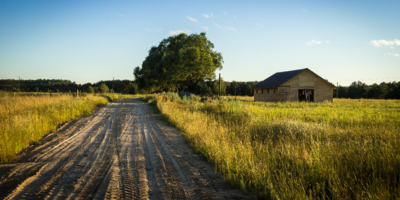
[24, 120]
[348, 149]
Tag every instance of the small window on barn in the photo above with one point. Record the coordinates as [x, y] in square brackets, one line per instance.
[262, 90]
[267, 90]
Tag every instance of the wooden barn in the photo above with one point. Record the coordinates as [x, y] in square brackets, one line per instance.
[296, 85]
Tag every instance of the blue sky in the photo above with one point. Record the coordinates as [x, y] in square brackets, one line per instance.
[89, 41]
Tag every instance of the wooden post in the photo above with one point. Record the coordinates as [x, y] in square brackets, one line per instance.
[337, 89]
[235, 90]
[77, 93]
[14, 94]
[219, 95]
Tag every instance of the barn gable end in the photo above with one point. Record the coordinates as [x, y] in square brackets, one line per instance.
[292, 86]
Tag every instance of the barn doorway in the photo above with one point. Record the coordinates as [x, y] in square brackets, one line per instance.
[306, 95]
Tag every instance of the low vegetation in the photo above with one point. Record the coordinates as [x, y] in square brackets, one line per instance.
[348, 149]
[24, 120]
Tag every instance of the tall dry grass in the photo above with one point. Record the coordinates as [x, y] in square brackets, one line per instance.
[24, 120]
[348, 149]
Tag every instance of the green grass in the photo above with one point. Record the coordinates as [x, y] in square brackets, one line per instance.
[348, 149]
[24, 120]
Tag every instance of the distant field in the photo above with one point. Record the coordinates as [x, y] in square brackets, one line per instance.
[348, 149]
[26, 118]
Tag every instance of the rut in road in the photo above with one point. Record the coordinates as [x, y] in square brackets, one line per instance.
[122, 151]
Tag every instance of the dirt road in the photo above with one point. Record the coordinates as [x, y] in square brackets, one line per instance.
[121, 151]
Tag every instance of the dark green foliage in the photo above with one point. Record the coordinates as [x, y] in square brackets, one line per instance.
[46, 85]
[242, 88]
[130, 88]
[103, 88]
[90, 90]
[357, 90]
[179, 62]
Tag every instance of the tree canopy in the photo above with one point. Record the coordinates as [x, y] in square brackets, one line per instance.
[103, 88]
[90, 90]
[358, 89]
[178, 62]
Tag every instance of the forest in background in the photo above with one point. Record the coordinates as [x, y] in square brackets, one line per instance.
[356, 90]
[206, 88]
[57, 85]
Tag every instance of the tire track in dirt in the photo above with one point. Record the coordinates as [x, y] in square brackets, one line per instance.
[121, 151]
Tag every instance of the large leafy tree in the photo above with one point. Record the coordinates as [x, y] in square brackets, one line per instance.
[181, 61]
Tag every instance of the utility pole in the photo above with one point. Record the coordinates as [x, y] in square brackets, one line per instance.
[19, 84]
[113, 84]
[219, 85]
[235, 90]
[337, 90]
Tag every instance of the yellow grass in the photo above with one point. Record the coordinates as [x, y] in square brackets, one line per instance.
[348, 149]
[24, 120]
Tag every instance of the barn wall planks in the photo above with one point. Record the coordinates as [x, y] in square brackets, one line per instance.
[323, 91]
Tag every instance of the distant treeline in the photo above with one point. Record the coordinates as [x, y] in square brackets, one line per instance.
[210, 87]
[357, 90]
[57, 85]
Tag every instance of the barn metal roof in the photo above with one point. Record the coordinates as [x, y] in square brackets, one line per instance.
[278, 78]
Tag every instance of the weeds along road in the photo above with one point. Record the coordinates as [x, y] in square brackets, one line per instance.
[121, 151]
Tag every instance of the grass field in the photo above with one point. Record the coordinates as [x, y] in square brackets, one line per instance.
[348, 149]
[24, 120]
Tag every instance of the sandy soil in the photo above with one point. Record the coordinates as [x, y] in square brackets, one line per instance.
[121, 151]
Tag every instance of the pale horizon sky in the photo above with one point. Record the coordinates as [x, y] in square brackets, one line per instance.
[88, 41]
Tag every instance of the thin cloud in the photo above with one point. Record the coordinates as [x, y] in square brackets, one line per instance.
[313, 42]
[208, 15]
[327, 42]
[177, 32]
[206, 28]
[258, 24]
[191, 19]
[121, 15]
[226, 14]
[152, 30]
[217, 25]
[394, 54]
[390, 43]
[232, 29]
